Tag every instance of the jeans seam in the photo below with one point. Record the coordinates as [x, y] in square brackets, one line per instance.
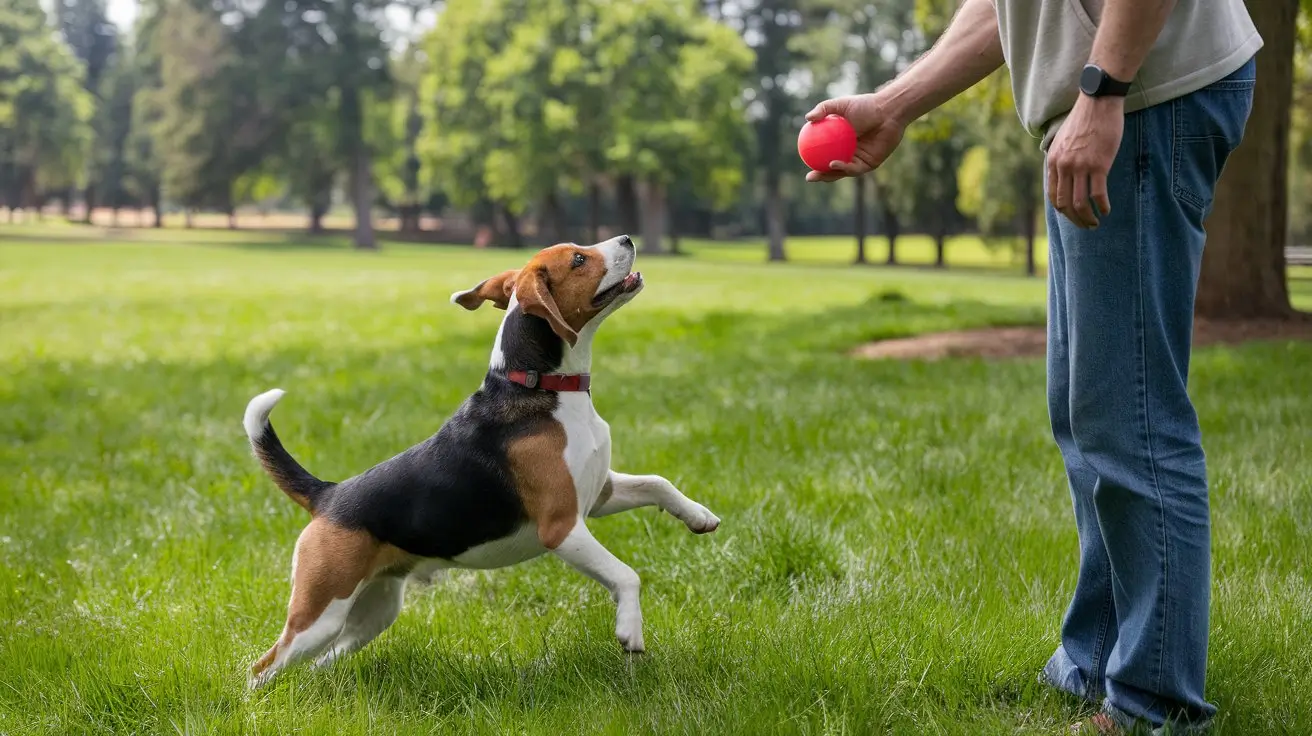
[1146, 415]
[1099, 673]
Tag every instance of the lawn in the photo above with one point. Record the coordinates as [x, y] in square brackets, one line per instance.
[897, 545]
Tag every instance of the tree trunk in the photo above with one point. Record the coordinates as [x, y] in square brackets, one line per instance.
[655, 216]
[775, 217]
[351, 140]
[594, 211]
[66, 204]
[552, 221]
[409, 214]
[1243, 273]
[113, 216]
[859, 212]
[626, 200]
[187, 222]
[232, 218]
[319, 204]
[894, 228]
[159, 210]
[89, 201]
[941, 248]
[513, 237]
[362, 198]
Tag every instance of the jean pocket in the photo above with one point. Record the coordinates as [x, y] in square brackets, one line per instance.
[1209, 125]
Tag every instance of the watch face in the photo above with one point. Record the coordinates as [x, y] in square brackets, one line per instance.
[1090, 80]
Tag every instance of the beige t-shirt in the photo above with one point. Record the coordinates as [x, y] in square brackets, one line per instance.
[1046, 44]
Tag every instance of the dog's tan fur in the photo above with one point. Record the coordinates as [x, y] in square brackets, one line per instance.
[544, 482]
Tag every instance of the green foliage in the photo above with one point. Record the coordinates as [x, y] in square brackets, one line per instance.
[199, 64]
[675, 107]
[919, 181]
[523, 100]
[45, 113]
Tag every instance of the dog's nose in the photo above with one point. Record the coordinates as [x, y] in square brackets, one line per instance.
[626, 241]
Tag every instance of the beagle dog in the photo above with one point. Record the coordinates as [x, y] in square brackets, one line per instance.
[513, 474]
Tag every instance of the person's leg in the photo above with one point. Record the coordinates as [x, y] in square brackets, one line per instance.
[1089, 628]
[1130, 294]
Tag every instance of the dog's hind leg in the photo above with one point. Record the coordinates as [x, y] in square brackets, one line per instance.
[585, 554]
[329, 570]
[375, 609]
[624, 492]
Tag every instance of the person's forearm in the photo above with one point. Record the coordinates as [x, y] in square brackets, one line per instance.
[1126, 33]
[967, 52]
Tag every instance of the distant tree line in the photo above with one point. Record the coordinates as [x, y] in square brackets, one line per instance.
[542, 120]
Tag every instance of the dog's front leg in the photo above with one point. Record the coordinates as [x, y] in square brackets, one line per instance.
[624, 492]
[582, 551]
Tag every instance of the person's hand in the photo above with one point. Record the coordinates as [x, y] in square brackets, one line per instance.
[1081, 156]
[878, 132]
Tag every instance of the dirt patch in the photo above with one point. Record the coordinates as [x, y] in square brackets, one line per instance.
[1000, 343]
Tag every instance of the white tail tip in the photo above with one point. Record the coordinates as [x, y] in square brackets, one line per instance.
[257, 412]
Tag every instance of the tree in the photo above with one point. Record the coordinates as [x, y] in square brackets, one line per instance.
[675, 110]
[113, 127]
[774, 29]
[872, 40]
[87, 31]
[531, 102]
[1001, 186]
[395, 128]
[458, 129]
[141, 160]
[919, 181]
[45, 112]
[1243, 273]
[312, 161]
[360, 71]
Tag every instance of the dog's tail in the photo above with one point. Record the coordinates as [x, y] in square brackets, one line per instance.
[295, 481]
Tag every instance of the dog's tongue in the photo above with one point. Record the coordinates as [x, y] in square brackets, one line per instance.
[632, 279]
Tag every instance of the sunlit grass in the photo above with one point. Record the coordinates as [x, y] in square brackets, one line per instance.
[895, 557]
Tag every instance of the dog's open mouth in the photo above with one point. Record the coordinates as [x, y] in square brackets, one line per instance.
[630, 284]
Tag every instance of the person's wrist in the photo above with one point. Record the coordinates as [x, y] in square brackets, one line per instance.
[896, 106]
[1104, 103]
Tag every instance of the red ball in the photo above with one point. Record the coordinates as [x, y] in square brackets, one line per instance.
[829, 139]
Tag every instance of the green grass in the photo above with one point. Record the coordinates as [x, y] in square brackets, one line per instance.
[895, 557]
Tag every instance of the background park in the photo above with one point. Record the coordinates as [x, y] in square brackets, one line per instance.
[203, 199]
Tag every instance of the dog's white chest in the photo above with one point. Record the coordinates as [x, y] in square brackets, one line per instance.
[587, 446]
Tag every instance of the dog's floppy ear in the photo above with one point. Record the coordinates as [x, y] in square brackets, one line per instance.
[496, 290]
[536, 299]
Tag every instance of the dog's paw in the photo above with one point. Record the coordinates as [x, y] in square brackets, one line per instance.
[700, 520]
[628, 629]
[257, 681]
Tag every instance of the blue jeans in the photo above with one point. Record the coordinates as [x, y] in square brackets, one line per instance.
[1120, 318]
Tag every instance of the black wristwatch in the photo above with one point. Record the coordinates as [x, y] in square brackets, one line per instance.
[1095, 82]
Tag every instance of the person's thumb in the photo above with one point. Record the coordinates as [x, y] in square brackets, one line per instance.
[835, 106]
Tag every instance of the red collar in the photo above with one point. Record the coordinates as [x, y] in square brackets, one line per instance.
[552, 381]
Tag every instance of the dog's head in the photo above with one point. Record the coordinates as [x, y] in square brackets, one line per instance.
[570, 286]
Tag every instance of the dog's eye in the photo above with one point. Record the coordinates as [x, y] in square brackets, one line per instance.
[579, 260]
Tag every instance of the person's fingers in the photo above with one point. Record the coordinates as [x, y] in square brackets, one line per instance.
[1062, 200]
[1052, 181]
[854, 167]
[825, 176]
[1080, 204]
[834, 106]
[1098, 190]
